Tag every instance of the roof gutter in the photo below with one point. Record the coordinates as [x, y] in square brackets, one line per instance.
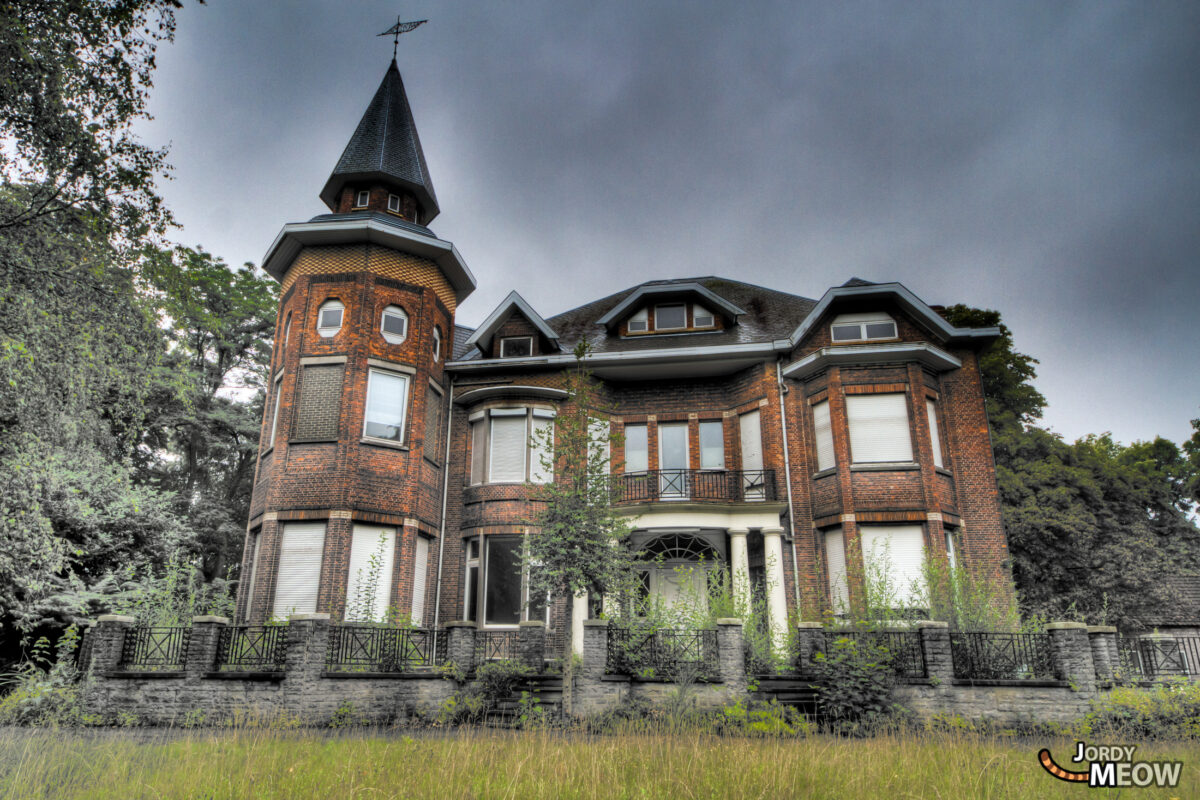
[644, 357]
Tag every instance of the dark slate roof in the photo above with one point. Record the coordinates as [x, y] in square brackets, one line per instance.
[1185, 601]
[385, 146]
[859, 282]
[771, 315]
[461, 348]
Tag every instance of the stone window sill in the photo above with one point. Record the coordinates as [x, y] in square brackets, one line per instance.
[318, 440]
[887, 466]
[825, 473]
[943, 471]
[383, 443]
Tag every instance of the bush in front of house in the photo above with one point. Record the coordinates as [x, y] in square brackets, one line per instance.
[1169, 710]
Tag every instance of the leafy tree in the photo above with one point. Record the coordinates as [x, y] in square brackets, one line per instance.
[77, 76]
[582, 543]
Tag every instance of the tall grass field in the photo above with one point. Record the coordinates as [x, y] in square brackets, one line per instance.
[270, 763]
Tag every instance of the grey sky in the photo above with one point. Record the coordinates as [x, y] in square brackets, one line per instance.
[1042, 159]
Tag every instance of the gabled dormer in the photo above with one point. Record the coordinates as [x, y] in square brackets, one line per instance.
[670, 308]
[514, 330]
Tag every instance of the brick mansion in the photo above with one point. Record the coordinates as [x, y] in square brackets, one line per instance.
[778, 437]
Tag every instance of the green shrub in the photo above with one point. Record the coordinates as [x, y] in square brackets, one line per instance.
[494, 682]
[760, 719]
[44, 690]
[854, 689]
[1168, 711]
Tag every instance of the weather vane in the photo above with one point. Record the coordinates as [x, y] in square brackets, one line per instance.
[399, 28]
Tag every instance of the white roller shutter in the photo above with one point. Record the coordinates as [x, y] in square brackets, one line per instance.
[835, 555]
[300, 551]
[598, 444]
[420, 569]
[478, 449]
[902, 547]
[507, 449]
[253, 572]
[367, 541]
[878, 428]
[750, 429]
[824, 431]
[637, 453]
[542, 446]
[935, 438]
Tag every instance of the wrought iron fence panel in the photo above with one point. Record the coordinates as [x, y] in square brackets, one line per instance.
[905, 653]
[155, 648]
[83, 653]
[369, 648]
[1189, 652]
[495, 646]
[662, 653]
[1148, 659]
[694, 484]
[1002, 656]
[257, 647]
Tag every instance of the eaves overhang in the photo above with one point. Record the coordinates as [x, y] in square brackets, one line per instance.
[297, 235]
[628, 305]
[872, 354]
[474, 396]
[482, 337]
[900, 294]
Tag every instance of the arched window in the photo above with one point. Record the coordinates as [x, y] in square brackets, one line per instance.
[329, 318]
[394, 324]
[679, 547]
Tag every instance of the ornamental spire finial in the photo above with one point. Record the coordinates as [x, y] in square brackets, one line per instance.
[399, 28]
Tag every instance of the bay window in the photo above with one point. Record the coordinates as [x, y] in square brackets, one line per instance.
[509, 445]
[497, 585]
[879, 431]
[894, 557]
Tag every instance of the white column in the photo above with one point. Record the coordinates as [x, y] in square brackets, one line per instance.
[579, 612]
[776, 596]
[740, 570]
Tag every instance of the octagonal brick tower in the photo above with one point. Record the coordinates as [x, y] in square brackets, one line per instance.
[353, 446]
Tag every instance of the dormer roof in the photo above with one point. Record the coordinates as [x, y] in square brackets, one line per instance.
[651, 292]
[385, 148]
[514, 303]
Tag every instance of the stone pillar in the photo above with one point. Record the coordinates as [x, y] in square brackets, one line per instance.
[1103, 641]
[731, 655]
[460, 648]
[201, 653]
[935, 644]
[579, 612]
[304, 659]
[531, 644]
[810, 640]
[595, 649]
[776, 593]
[1072, 655]
[109, 633]
[739, 563]
[1162, 652]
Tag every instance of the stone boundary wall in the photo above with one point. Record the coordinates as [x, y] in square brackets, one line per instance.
[1084, 660]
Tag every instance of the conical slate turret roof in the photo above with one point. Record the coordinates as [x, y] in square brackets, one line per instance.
[385, 147]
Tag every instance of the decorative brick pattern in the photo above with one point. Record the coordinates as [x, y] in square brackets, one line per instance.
[320, 402]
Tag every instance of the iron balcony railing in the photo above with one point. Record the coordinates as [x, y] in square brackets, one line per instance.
[252, 647]
[728, 486]
[663, 653]
[1002, 656]
[903, 648]
[496, 646]
[371, 648]
[155, 648]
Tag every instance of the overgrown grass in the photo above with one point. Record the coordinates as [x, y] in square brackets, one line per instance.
[267, 763]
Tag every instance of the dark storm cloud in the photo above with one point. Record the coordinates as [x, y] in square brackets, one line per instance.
[1037, 158]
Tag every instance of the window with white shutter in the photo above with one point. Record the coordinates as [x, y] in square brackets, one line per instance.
[879, 431]
[637, 452]
[541, 453]
[369, 584]
[712, 444]
[897, 552]
[507, 446]
[277, 390]
[420, 569]
[598, 444]
[301, 548]
[935, 438]
[478, 449]
[750, 428]
[387, 402]
[835, 559]
[252, 572]
[824, 431]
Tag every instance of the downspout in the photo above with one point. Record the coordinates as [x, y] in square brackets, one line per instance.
[437, 600]
[787, 474]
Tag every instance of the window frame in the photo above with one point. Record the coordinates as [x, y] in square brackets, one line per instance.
[856, 458]
[277, 390]
[862, 322]
[710, 424]
[935, 433]
[393, 200]
[697, 310]
[404, 406]
[437, 343]
[645, 434]
[358, 198]
[329, 331]
[642, 317]
[823, 436]
[658, 326]
[393, 310]
[483, 461]
[482, 563]
[504, 340]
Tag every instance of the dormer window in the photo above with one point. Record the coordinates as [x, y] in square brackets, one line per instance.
[516, 346]
[639, 322]
[394, 325]
[362, 198]
[394, 203]
[671, 316]
[329, 318]
[703, 318]
[863, 327]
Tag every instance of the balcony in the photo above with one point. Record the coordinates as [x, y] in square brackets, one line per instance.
[695, 485]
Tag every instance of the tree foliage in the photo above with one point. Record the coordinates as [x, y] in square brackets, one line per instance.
[1093, 526]
[77, 76]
